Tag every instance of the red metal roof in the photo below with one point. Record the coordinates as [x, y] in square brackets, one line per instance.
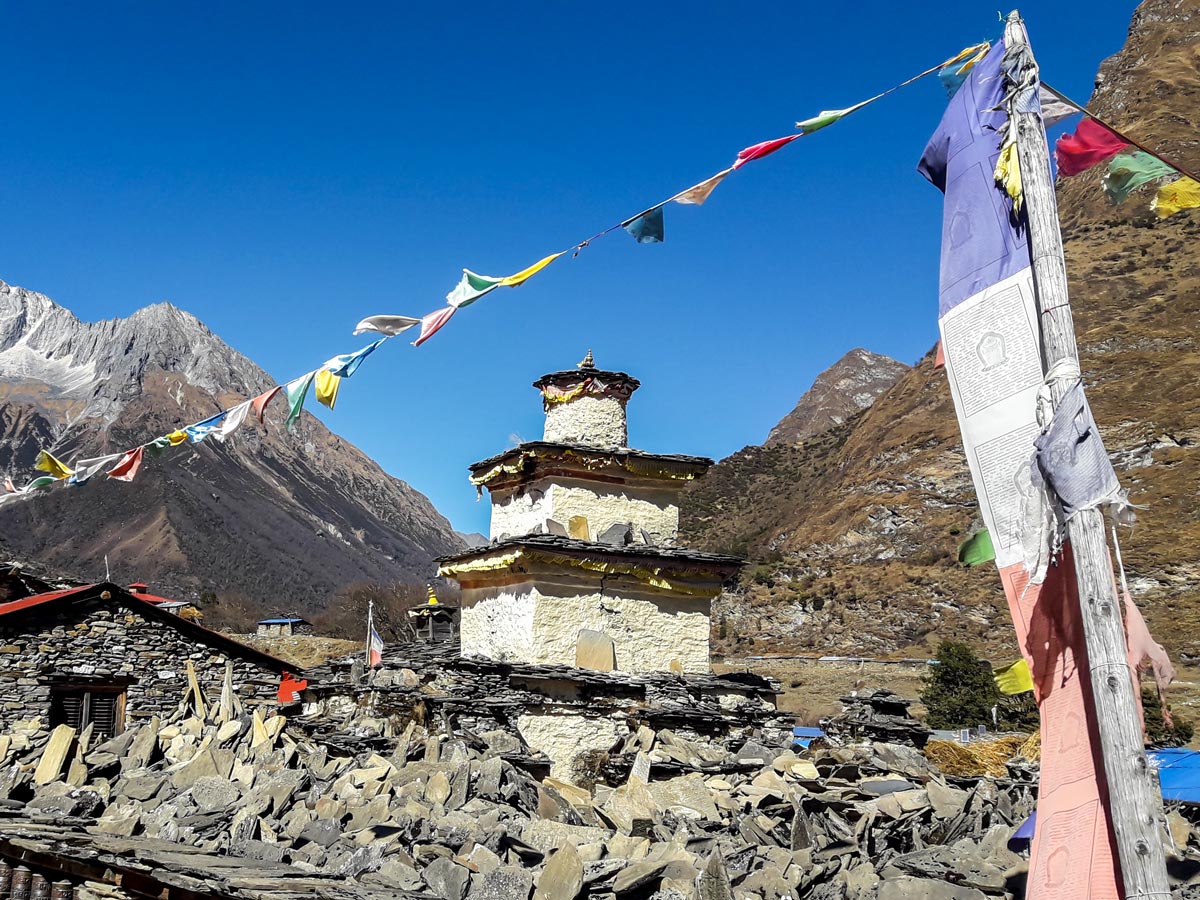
[38, 599]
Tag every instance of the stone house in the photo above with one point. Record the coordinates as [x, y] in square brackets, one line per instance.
[104, 655]
[283, 626]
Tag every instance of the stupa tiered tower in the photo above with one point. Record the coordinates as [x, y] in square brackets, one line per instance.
[583, 567]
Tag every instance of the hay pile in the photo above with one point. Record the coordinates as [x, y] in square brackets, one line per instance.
[972, 760]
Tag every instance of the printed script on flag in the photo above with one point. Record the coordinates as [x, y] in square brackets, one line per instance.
[989, 329]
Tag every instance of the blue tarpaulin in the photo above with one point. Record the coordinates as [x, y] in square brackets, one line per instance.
[801, 736]
[1179, 773]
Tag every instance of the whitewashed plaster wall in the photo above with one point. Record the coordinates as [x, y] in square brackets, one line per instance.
[565, 737]
[498, 623]
[588, 419]
[521, 512]
[657, 511]
[523, 623]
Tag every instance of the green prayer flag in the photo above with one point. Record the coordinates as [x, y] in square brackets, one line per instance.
[976, 549]
[1131, 169]
[158, 446]
[41, 482]
[828, 117]
[296, 391]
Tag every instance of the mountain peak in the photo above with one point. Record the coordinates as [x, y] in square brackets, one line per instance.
[96, 364]
[842, 391]
[269, 513]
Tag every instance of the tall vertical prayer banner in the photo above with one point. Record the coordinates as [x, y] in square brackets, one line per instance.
[988, 320]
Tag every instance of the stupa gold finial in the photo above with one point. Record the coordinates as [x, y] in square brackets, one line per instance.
[588, 362]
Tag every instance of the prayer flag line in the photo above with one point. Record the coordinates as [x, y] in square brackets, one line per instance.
[647, 226]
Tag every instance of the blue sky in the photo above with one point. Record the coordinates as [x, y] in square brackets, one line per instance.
[281, 170]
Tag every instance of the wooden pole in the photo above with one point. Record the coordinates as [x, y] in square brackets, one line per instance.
[1134, 804]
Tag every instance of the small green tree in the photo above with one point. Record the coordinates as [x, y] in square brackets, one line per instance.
[959, 691]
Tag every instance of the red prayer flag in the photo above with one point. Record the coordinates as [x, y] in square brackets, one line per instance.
[1091, 143]
[127, 468]
[290, 687]
[432, 323]
[259, 403]
[766, 148]
[939, 361]
[9, 486]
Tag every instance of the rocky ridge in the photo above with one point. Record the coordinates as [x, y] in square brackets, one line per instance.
[838, 394]
[268, 517]
[853, 532]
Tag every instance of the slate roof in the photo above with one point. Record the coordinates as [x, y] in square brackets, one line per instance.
[575, 547]
[172, 871]
[621, 454]
[573, 376]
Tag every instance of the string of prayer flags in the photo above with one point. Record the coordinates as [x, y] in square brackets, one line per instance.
[296, 391]
[127, 468]
[1178, 195]
[327, 387]
[1014, 678]
[646, 228]
[389, 325]
[86, 468]
[1090, 145]
[697, 194]
[1129, 170]
[765, 148]
[977, 549]
[432, 323]
[47, 463]
[259, 403]
[198, 432]
[346, 364]
[233, 420]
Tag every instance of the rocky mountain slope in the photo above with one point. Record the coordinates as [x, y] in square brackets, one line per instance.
[281, 520]
[853, 532]
[839, 393]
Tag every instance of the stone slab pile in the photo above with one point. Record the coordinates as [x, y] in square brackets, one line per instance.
[457, 815]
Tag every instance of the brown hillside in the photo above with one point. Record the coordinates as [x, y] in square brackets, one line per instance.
[854, 533]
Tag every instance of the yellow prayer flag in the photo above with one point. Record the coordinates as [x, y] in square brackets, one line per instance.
[1184, 193]
[975, 51]
[525, 274]
[177, 437]
[1008, 173]
[48, 463]
[1015, 678]
[326, 384]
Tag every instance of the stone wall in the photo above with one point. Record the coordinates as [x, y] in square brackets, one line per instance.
[541, 624]
[96, 640]
[588, 420]
[655, 510]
